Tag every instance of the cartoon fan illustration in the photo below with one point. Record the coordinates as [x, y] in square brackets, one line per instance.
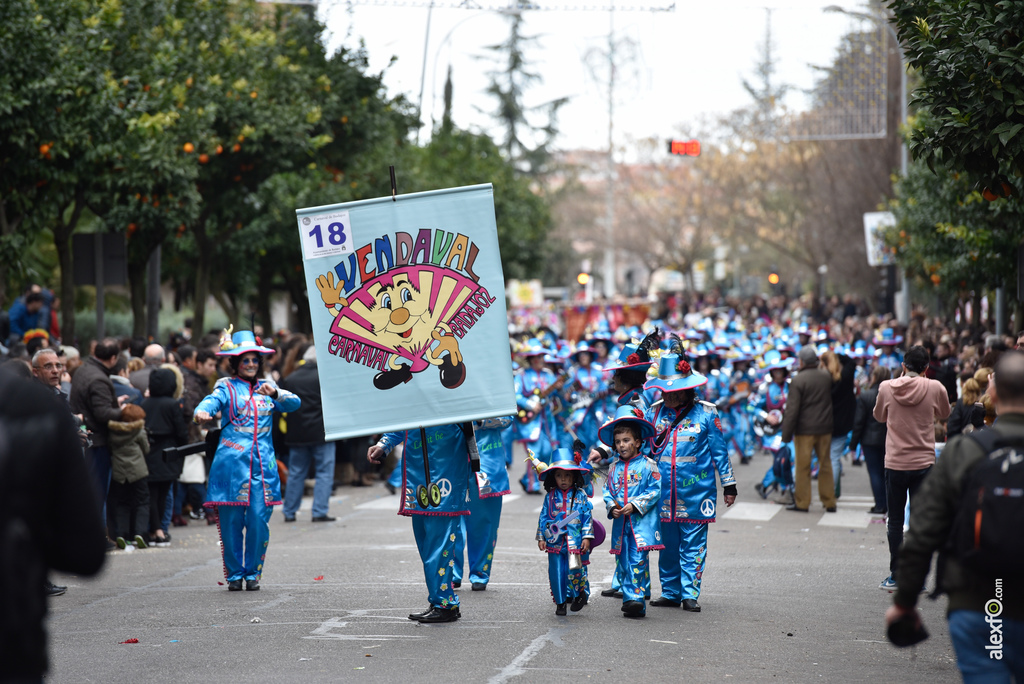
[404, 312]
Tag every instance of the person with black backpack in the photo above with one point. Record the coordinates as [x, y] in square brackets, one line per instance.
[970, 508]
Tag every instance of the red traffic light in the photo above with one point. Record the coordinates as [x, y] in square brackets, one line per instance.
[686, 148]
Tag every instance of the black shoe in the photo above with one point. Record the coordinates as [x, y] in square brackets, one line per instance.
[857, 463]
[794, 507]
[385, 380]
[578, 603]
[417, 616]
[560, 609]
[441, 615]
[390, 487]
[456, 585]
[691, 605]
[744, 460]
[235, 585]
[479, 586]
[324, 518]
[830, 509]
[877, 510]
[252, 585]
[289, 518]
[761, 491]
[54, 590]
[665, 602]
[612, 593]
[633, 609]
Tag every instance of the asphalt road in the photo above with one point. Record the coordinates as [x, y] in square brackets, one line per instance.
[787, 597]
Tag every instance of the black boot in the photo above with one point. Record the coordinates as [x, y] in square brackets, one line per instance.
[560, 609]
[252, 585]
[661, 601]
[452, 375]
[235, 585]
[385, 380]
[691, 605]
[633, 609]
[578, 603]
[613, 593]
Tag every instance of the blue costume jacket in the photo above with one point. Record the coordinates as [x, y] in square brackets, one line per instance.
[587, 419]
[636, 481]
[449, 468]
[245, 441]
[557, 506]
[490, 440]
[688, 457]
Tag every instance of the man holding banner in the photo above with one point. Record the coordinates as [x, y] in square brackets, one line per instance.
[435, 478]
[409, 320]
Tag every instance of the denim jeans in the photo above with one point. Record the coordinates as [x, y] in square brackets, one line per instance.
[874, 459]
[322, 457]
[100, 457]
[836, 449]
[900, 486]
[970, 634]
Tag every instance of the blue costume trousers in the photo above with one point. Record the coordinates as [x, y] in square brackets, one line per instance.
[636, 570]
[742, 434]
[617, 576]
[479, 537]
[435, 539]
[781, 471]
[681, 562]
[565, 584]
[254, 521]
[395, 478]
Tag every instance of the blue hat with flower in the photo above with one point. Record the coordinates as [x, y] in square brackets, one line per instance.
[888, 337]
[564, 459]
[241, 342]
[675, 374]
[773, 361]
[636, 355]
[626, 414]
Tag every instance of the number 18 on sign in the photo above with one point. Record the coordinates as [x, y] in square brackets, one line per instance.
[325, 235]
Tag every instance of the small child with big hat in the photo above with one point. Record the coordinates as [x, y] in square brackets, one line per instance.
[565, 529]
[631, 495]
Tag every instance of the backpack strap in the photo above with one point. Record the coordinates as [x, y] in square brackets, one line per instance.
[989, 440]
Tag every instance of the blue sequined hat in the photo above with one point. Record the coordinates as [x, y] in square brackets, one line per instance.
[773, 361]
[241, 342]
[626, 414]
[563, 459]
[675, 374]
[889, 337]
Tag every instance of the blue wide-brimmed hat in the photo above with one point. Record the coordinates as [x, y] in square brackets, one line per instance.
[533, 347]
[563, 459]
[581, 348]
[773, 361]
[626, 414]
[636, 355]
[241, 342]
[675, 374]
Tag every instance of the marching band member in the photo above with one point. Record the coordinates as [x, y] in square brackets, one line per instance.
[536, 424]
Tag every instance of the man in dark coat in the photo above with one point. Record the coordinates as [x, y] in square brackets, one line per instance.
[305, 439]
[92, 397]
[808, 423]
[44, 484]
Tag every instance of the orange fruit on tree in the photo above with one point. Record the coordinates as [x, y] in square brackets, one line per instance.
[203, 158]
[220, 149]
[936, 279]
[236, 147]
[989, 195]
[188, 147]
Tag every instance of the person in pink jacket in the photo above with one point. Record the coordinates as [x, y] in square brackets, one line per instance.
[909, 407]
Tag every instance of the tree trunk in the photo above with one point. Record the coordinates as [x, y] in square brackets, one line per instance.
[202, 292]
[62, 242]
[296, 291]
[264, 289]
[975, 310]
[137, 287]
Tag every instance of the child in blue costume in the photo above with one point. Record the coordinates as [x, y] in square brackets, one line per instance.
[536, 423]
[631, 494]
[435, 527]
[689, 447]
[565, 529]
[244, 484]
[480, 528]
[771, 400]
[628, 375]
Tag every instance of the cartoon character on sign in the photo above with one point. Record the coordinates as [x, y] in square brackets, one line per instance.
[405, 314]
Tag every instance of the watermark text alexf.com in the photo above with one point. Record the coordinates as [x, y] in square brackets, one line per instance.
[993, 609]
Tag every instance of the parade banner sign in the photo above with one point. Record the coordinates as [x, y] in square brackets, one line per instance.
[408, 311]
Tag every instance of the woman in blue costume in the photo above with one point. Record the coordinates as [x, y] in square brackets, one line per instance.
[565, 529]
[243, 484]
[435, 506]
[689, 448]
[588, 383]
[480, 528]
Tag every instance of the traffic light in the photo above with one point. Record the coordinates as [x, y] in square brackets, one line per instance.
[773, 278]
[684, 148]
[583, 278]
